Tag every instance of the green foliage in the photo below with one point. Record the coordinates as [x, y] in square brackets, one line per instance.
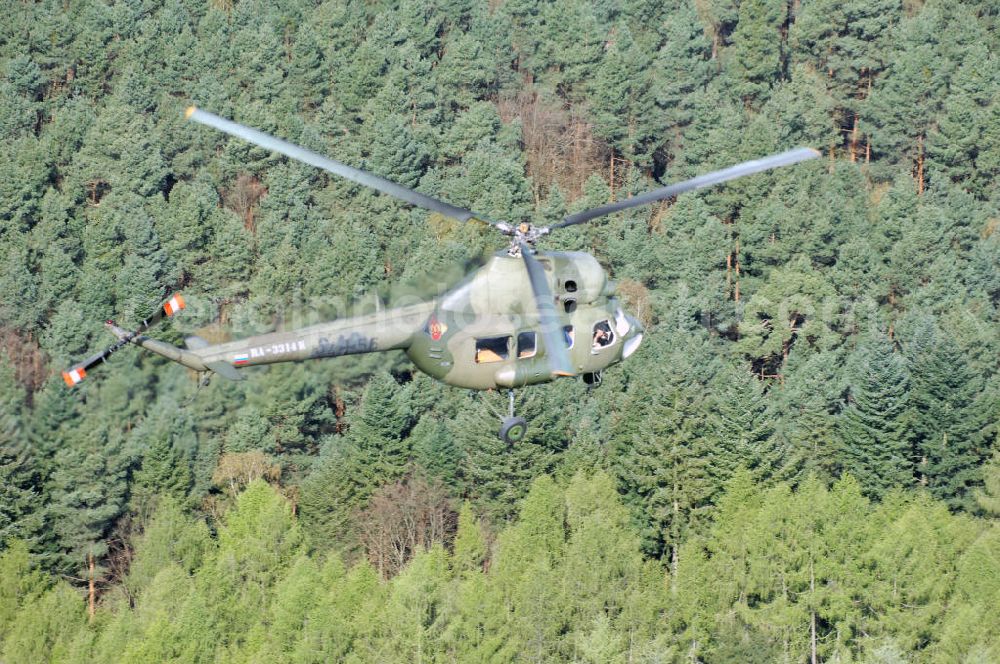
[757, 48]
[776, 573]
[949, 418]
[758, 299]
[875, 427]
[171, 537]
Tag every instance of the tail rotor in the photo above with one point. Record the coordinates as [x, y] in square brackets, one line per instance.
[78, 372]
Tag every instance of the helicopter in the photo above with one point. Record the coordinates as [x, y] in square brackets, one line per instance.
[525, 317]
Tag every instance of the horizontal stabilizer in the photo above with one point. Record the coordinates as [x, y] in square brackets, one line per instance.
[225, 370]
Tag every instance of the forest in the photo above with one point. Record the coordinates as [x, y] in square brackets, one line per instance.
[800, 464]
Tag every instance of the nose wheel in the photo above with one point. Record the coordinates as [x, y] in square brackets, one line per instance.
[513, 428]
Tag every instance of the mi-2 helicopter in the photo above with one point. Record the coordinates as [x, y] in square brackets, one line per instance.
[525, 317]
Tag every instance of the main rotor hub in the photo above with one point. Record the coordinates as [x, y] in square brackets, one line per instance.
[522, 233]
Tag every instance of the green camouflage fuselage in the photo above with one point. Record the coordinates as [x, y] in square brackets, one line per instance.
[445, 336]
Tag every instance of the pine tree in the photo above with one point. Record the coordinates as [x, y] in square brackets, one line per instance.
[929, 48]
[875, 426]
[664, 460]
[373, 453]
[436, 451]
[758, 49]
[948, 418]
[682, 64]
[623, 103]
[806, 408]
[164, 444]
[87, 488]
[20, 516]
[18, 288]
[786, 314]
[962, 147]
[742, 426]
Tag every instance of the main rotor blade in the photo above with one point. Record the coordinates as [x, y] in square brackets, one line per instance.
[555, 345]
[357, 175]
[716, 177]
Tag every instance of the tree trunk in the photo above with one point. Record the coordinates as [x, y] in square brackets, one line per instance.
[854, 140]
[612, 178]
[812, 614]
[868, 140]
[736, 294]
[92, 591]
[920, 165]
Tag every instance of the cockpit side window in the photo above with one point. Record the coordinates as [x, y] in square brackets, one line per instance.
[603, 336]
[527, 345]
[492, 349]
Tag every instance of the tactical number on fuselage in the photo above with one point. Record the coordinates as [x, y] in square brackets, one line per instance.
[277, 349]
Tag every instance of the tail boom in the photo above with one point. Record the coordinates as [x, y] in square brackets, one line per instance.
[390, 329]
[179, 355]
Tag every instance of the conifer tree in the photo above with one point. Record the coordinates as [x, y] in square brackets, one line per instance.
[806, 407]
[663, 455]
[436, 451]
[988, 497]
[875, 438]
[948, 419]
[164, 444]
[622, 97]
[469, 551]
[742, 427]
[20, 513]
[757, 49]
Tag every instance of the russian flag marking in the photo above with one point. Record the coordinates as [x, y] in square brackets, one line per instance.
[173, 305]
[74, 376]
[241, 359]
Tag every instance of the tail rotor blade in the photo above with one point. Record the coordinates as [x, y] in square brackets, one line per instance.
[79, 371]
[357, 175]
[716, 177]
[555, 346]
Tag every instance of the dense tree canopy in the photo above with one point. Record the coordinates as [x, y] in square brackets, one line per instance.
[800, 463]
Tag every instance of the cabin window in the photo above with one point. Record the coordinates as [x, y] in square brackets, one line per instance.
[527, 345]
[603, 336]
[492, 349]
[568, 336]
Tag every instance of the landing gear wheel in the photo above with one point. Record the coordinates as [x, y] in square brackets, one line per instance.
[513, 430]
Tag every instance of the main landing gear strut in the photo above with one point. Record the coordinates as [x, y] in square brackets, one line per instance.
[513, 428]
